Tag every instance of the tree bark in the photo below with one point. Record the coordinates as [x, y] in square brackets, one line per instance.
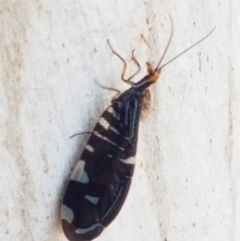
[186, 181]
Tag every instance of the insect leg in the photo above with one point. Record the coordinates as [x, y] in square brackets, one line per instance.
[128, 81]
[81, 133]
[139, 67]
[118, 92]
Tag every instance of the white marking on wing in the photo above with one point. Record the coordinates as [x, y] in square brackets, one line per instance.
[106, 139]
[130, 160]
[89, 148]
[67, 213]
[79, 173]
[92, 199]
[104, 123]
[85, 230]
[113, 112]
[114, 130]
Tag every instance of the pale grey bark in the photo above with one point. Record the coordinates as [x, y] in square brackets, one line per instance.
[186, 183]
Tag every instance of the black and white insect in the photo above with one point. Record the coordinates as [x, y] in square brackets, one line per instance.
[101, 179]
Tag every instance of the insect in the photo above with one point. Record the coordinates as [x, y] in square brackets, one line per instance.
[101, 178]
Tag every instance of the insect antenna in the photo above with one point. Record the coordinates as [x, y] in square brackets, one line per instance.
[168, 44]
[160, 68]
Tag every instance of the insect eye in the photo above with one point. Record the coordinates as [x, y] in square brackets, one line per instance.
[151, 71]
